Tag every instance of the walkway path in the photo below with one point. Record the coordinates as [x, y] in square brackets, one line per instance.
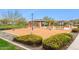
[8, 37]
[75, 44]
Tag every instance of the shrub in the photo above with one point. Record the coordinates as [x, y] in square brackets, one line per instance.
[57, 41]
[30, 39]
[75, 30]
[68, 34]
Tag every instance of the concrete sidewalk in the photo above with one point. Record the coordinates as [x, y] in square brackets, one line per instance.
[75, 44]
[9, 38]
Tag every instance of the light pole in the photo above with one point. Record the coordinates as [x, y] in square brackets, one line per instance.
[32, 21]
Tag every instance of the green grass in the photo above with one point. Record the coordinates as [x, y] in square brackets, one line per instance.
[3, 27]
[4, 45]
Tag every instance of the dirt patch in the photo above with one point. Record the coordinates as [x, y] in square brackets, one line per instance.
[45, 33]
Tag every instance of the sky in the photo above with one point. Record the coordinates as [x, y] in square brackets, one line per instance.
[57, 14]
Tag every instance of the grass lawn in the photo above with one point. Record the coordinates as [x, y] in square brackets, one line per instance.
[3, 27]
[4, 45]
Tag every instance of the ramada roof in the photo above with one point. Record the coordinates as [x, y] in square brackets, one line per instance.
[41, 20]
[38, 20]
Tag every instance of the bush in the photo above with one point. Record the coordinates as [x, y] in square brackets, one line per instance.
[30, 39]
[57, 41]
[75, 30]
[68, 34]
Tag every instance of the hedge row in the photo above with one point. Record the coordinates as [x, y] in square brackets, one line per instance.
[75, 30]
[53, 42]
[30, 39]
[57, 41]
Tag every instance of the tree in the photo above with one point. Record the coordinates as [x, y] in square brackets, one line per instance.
[12, 17]
[49, 20]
